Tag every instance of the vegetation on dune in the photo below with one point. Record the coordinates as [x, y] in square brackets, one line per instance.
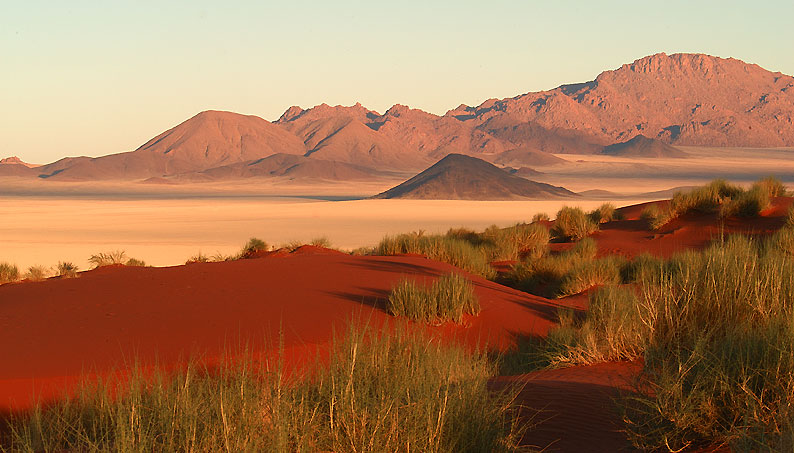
[572, 224]
[251, 247]
[604, 213]
[37, 273]
[8, 273]
[447, 299]
[114, 258]
[718, 196]
[469, 250]
[540, 217]
[67, 269]
[393, 391]
[714, 328]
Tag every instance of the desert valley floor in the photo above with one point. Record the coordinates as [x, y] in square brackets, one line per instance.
[45, 221]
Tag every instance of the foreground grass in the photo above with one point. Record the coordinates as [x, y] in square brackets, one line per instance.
[716, 334]
[384, 392]
[447, 299]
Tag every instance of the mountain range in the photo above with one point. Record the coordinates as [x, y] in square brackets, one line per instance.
[680, 99]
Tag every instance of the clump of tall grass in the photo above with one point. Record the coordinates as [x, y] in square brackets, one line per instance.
[604, 213]
[37, 273]
[655, 216]
[746, 204]
[447, 299]
[515, 242]
[251, 248]
[706, 199]
[540, 217]
[199, 258]
[790, 217]
[67, 269]
[572, 224]
[108, 258]
[566, 273]
[321, 242]
[392, 391]
[772, 186]
[449, 249]
[8, 273]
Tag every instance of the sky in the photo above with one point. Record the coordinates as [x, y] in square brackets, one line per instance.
[98, 77]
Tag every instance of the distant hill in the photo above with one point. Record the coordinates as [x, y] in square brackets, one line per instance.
[520, 157]
[643, 147]
[460, 177]
[209, 139]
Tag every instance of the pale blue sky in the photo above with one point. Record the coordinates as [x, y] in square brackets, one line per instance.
[93, 78]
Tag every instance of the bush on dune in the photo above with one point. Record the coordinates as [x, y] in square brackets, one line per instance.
[447, 299]
[108, 258]
[37, 273]
[572, 224]
[8, 273]
[376, 392]
[67, 269]
[604, 213]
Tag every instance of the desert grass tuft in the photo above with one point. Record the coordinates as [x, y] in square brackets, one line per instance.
[67, 269]
[572, 224]
[37, 273]
[540, 217]
[199, 258]
[447, 299]
[321, 242]
[108, 258]
[604, 213]
[388, 391]
[655, 216]
[8, 273]
[458, 252]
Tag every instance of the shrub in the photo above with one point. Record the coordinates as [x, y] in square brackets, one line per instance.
[746, 204]
[587, 274]
[706, 199]
[771, 186]
[447, 299]
[135, 262]
[67, 269]
[449, 249]
[516, 242]
[540, 217]
[572, 224]
[376, 392]
[321, 242]
[8, 273]
[604, 213]
[655, 216]
[612, 329]
[200, 258]
[108, 258]
[253, 246]
[37, 273]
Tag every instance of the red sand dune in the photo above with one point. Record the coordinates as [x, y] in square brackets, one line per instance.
[58, 328]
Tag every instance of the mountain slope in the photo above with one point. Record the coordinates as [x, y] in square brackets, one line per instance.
[209, 139]
[643, 147]
[685, 99]
[459, 177]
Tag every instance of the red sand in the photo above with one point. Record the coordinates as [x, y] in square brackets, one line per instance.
[52, 332]
[108, 317]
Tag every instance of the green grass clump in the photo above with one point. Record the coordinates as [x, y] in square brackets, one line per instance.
[587, 274]
[516, 242]
[612, 329]
[37, 273]
[448, 299]
[572, 224]
[8, 273]
[546, 276]
[251, 247]
[67, 269]
[392, 391]
[604, 213]
[772, 186]
[108, 258]
[746, 204]
[135, 262]
[540, 217]
[458, 252]
[655, 216]
[706, 199]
